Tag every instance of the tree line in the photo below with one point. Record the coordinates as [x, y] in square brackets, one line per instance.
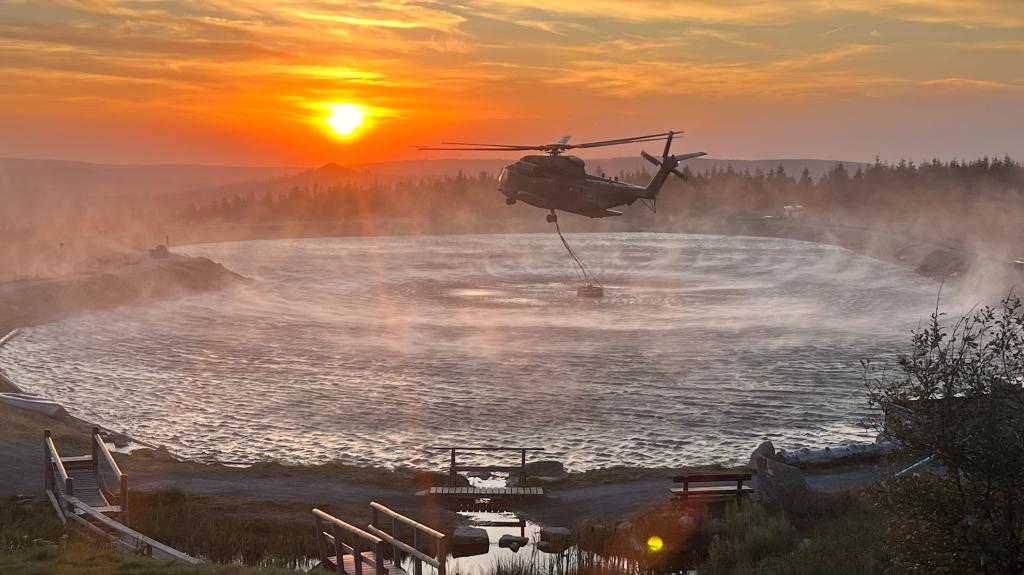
[980, 198]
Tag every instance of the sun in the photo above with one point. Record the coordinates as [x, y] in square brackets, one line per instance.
[345, 119]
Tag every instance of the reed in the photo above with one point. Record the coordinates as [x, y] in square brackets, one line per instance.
[82, 556]
[225, 530]
[27, 523]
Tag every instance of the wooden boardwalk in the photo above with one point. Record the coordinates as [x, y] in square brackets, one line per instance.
[368, 558]
[390, 541]
[490, 497]
[489, 492]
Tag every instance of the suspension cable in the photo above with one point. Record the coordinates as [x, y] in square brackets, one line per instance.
[581, 269]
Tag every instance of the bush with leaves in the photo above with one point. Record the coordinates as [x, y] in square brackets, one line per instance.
[958, 396]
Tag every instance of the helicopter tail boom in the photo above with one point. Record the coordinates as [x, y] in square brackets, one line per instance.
[667, 165]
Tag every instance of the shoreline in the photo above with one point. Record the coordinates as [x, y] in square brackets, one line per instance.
[606, 492]
[863, 242]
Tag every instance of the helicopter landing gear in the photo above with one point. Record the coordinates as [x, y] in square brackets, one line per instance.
[510, 201]
[552, 217]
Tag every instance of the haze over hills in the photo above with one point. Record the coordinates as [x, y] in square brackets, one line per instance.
[19, 177]
[25, 179]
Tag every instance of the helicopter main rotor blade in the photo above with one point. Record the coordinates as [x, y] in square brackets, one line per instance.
[474, 149]
[487, 145]
[554, 149]
[616, 142]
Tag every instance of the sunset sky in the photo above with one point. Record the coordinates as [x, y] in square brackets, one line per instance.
[248, 82]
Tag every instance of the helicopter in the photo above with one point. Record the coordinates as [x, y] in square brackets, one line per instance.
[560, 182]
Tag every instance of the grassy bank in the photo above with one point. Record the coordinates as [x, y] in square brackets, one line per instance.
[84, 557]
[838, 533]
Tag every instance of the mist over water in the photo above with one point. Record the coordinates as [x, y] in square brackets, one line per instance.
[370, 350]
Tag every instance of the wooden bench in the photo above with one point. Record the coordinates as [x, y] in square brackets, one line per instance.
[710, 485]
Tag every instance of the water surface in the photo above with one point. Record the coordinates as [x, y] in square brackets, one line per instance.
[370, 350]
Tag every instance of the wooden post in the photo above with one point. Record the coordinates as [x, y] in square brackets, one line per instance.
[394, 532]
[69, 489]
[442, 556]
[416, 545]
[320, 542]
[124, 499]
[522, 470]
[47, 469]
[337, 548]
[378, 553]
[95, 452]
[451, 471]
[357, 553]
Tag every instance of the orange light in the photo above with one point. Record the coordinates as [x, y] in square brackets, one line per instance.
[655, 544]
[345, 119]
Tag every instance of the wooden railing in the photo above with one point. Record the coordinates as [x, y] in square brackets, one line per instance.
[454, 468]
[121, 536]
[60, 490]
[100, 452]
[346, 539]
[55, 478]
[414, 546]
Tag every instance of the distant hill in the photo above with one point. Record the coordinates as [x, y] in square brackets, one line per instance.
[53, 177]
[49, 179]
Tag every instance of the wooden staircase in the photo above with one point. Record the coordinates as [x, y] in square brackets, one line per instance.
[88, 478]
[91, 492]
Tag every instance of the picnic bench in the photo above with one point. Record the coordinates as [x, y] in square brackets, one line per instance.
[712, 485]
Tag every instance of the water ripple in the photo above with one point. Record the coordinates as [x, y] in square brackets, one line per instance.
[368, 350]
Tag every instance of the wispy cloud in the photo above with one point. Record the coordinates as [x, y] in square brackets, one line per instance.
[436, 60]
[968, 83]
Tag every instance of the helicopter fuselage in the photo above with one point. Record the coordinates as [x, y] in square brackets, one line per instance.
[561, 183]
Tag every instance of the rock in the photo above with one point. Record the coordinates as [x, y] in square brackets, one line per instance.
[546, 468]
[624, 526]
[780, 485]
[766, 449]
[479, 474]
[547, 547]
[157, 454]
[470, 536]
[159, 252]
[554, 539]
[513, 542]
[552, 546]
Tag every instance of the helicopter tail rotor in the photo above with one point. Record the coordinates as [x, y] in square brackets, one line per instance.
[667, 164]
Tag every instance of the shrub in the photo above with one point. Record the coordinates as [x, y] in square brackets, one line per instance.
[958, 395]
[748, 534]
